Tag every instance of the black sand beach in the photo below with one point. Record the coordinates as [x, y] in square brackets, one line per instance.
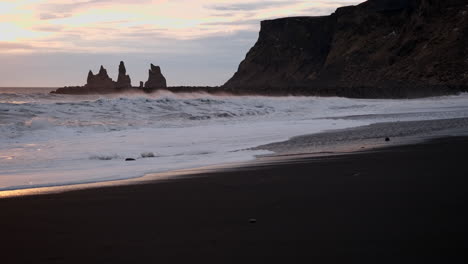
[404, 204]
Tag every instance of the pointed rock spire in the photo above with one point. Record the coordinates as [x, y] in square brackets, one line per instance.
[90, 76]
[156, 79]
[123, 81]
[155, 69]
[122, 70]
[102, 74]
[100, 81]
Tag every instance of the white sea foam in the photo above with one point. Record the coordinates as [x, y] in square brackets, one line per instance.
[57, 139]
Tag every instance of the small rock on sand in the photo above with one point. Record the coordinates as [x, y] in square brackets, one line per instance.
[148, 155]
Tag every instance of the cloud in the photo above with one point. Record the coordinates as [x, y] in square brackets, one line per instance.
[327, 7]
[56, 10]
[202, 61]
[5, 46]
[48, 28]
[340, 3]
[319, 11]
[195, 41]
[251, 5]
[49, 16]
[235, 22]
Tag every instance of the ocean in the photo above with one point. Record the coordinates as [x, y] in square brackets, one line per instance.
[49, 139]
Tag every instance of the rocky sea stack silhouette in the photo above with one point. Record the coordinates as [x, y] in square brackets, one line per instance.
[123, 81]
[101, 83]
[155, 79]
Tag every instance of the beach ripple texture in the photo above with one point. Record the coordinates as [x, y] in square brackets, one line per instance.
[49, 140]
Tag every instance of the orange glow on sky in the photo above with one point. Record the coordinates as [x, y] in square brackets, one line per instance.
[196, 42]
[85, 25]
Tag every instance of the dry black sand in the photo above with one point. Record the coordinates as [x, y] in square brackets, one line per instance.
[403, 204]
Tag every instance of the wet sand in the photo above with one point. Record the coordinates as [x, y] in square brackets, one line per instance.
[404, 204]
[369, 137]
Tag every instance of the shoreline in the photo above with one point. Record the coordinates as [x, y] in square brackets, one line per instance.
[216, 91]
[368, 137]
[396, 204]
[317, 145]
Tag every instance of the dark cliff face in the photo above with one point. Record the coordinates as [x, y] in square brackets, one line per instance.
[288, 52]
[380, 48]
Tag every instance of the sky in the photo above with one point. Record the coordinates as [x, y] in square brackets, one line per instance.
[53, 43]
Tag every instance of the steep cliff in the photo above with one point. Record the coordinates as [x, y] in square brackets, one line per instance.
[380, 48]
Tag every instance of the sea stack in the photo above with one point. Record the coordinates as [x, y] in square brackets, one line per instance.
[155, 79]
[100, 81]
[123, 80]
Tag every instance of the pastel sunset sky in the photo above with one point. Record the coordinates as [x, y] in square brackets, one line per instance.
[196, 42]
